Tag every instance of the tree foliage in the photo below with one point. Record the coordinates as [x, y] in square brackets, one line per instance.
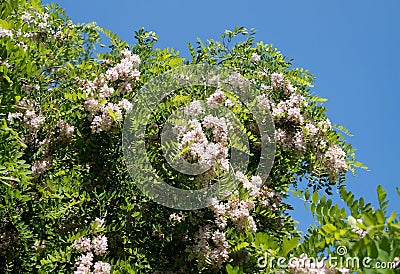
[68, 202]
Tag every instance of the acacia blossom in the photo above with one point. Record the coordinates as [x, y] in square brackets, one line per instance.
[193, 141]
[335, 159]
[82, 244]
[255, 57]
[40, 166]
[264, 102]
[194, 108]
[83, 263]
[5, 32]
[99, 245]
[253, 185]
[101, 267]
[359, 231]
[177, 217]
[306, 265]
[277, 80]
[210, 246]
[66, 130]
[126, 68]
[290, 109]
[216, 98]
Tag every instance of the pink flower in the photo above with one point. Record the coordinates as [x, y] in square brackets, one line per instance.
[311, 129]
[99, 245]
[335, 159]
[216, 98]
[255, 57]
[40, 166]
[112, 74]
[82, 244]
[11, 116]
[106, 91]
[277, 79]
[5, 32]
[66, 130]
[177, 217]
[125, 104]
[299, 142]
[86, 260]
[228, 103]
[125, 86]
[135, 75]
[194, 108]
[92, 105]
[264, 102]
[101, 267]
[100, 222]
[294, 114]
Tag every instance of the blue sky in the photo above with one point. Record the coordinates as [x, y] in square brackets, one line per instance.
[352, 47]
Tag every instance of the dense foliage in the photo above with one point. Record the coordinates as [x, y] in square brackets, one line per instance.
[68, 202]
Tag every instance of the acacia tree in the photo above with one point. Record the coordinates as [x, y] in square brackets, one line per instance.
[68, 201]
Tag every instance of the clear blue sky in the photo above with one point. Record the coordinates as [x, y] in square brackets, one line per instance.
[352, 47]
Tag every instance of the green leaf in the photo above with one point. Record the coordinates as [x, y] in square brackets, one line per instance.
[380, 216]
[307, 194]
[344, 130]
[392, 217]
[289, 245]
[351, 220]
[314, 197]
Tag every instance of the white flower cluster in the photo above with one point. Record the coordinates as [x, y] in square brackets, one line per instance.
[311, 134]
[98, 245]
[84, 263]
[237, 81]
[5, 32]
[103, 114]
[26, 17]
[278, 81]
[194, 108]
[287, 142]
[335, 159]
[216, 98]
[264, 102]
[101, 267]
[126, 69]
[253, 185]
[235, 210]
[315, 133]
[359, 231]
[28, 117]
[32, 120]
[210, 247]
[66, 130]
[177, 217]
[255, 57]
[290, 109]
[194, 142]
[40, 166]
[269, 198]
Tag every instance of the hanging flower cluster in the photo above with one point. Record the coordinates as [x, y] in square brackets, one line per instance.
[104, 114]
[193, 142]
[97, 245]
